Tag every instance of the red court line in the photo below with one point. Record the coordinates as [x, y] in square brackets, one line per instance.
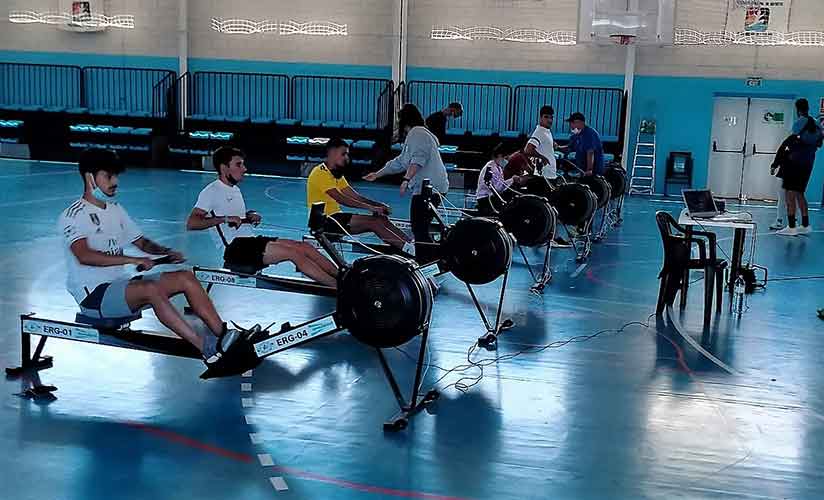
[242, 457]
[191, 443]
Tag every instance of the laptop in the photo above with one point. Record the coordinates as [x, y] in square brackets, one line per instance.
[700, 203]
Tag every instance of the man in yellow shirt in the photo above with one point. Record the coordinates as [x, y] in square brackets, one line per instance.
[326, 183]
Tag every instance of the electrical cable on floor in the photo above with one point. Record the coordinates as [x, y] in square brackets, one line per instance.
[464, 384]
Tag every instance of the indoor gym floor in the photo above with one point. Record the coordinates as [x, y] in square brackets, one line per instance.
[632, 415]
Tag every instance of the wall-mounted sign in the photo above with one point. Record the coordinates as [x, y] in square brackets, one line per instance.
[754, 81]
[773, 117]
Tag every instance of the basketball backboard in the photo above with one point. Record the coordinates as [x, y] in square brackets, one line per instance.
[651, 22]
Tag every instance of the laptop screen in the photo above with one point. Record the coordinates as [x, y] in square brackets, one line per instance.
[699, 201]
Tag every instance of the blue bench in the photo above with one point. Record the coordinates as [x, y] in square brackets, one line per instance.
[363, 144]
[212, 135]
[21, 107]
[11, 123]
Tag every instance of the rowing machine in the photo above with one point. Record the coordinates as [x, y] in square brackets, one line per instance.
[384, 301]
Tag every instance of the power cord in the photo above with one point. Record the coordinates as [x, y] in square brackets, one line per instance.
[464, 384]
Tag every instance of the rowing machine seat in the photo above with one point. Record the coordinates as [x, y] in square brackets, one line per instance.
[106, 323]
[241, 269]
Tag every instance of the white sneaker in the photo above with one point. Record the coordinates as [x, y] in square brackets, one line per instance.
[804, 229]
[777, 225]
[788, 231]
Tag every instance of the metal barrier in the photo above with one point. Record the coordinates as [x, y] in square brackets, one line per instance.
[121, 89]
[251, 95]
[486, 106]
[387, 104]
[40, 85]
[603, 108]
[347, 100]
[162, 101]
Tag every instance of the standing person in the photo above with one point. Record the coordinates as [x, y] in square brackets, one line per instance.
[589, 152]
[780, 210]
[220, 206]
[782, 158]
[541, 144]
[436, 122]
[96, 231]
[797, 175]
[327, 183]
[419, 160]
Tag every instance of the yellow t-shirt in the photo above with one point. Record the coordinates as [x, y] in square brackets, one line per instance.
[320, 181]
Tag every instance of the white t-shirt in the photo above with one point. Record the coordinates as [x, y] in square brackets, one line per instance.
[106, 230]
[222, 200]
[541, 138]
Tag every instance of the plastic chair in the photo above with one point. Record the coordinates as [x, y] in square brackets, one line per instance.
[678, 261]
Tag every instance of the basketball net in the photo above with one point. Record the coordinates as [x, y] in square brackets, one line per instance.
[623, 39]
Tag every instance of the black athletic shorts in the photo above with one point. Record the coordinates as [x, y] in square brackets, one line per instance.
[245, 254]
[796, 177]
[343, 219]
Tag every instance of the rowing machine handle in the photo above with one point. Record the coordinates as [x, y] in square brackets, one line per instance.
[166, 259]
[426, 190]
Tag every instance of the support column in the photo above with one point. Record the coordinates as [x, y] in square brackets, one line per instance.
[629, 81]
[182, 55]
[399, 41]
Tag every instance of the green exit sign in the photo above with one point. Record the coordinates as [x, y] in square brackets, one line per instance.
[754, 81]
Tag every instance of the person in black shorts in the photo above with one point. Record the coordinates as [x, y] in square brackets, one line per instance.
[796, 173]
[220, 206]
[327, 183]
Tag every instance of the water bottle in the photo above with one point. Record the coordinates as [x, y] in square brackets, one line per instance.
[738, 295]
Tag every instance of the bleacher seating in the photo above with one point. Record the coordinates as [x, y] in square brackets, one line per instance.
[126, 107]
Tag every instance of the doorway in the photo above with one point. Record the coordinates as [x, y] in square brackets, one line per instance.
[746, 133]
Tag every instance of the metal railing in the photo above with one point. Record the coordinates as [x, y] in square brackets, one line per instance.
[161, 104]
[329, 99]
[40, 85]
[252, 95]
[602, 107]
[486, 106]
[121, 89]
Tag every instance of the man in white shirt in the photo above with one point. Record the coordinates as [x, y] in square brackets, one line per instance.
[96, 230]
[220, 208]
[541, 145]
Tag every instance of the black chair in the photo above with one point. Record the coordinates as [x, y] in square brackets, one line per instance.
[678, 261]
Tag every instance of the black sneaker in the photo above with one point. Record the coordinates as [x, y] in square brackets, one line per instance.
[226, 342]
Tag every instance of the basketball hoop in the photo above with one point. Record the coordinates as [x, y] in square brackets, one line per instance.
[622, 39]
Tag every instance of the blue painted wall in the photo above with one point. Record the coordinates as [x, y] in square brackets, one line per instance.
[682, 108]
[289, 68]
[75, 59]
